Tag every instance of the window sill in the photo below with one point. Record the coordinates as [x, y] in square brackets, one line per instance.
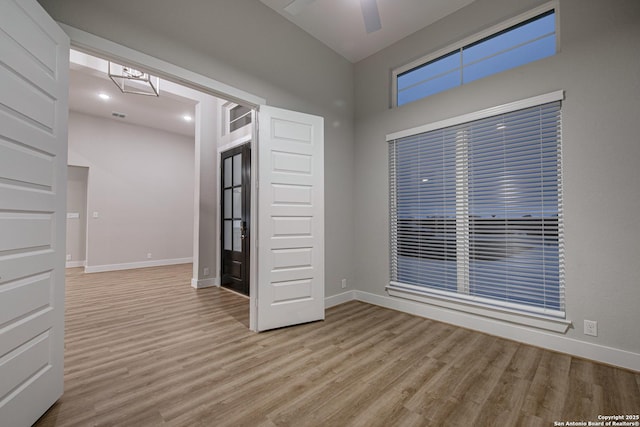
[537, 321]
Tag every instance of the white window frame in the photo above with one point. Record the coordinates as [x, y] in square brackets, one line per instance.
[476, 305]
[516, 20]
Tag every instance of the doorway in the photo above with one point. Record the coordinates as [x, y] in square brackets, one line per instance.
[235, 200]
[291, 149]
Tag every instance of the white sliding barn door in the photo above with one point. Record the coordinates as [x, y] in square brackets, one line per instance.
[290, 251]
[34, 63]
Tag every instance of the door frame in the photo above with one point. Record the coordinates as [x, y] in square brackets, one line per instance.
[92, 44]
[221, 220]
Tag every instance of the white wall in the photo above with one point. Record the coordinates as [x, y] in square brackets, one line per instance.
[245, 44]
[205, 233]
[141, 183]
[598, 66]
[77, 178]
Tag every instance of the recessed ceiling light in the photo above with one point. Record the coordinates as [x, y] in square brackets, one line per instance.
[104, 96]
[187, 118]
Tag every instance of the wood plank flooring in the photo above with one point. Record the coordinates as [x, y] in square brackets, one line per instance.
[143, 348]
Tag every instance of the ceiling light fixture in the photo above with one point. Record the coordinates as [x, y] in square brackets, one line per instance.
[187, 118]
[131, 80]
[104, 96]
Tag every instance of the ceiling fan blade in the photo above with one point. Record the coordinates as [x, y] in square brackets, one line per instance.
[371, 15]
[296, 6]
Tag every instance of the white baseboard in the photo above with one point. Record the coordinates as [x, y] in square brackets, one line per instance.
[204, 283]
[74, 264]
[132, 265]
[339, 299]
[538, 338]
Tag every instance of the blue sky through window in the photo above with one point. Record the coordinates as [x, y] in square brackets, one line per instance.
[527, 42]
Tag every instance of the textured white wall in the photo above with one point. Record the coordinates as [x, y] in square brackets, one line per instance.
[141, 183]
[599, 69]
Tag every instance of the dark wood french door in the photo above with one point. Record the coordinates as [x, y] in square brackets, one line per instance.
[236, 203]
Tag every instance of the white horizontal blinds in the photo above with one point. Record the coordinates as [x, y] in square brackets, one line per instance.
[425, 217]
[393, 213]
[514, 197]
[462, 207]
[475, 210]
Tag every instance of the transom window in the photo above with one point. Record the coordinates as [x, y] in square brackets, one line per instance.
[239, 116]
[476, 208]
[498, 49]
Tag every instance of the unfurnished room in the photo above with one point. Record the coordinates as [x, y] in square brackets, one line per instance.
[319, 213]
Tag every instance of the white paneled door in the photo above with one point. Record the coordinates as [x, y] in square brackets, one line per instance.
[34, 63]
[290, 218]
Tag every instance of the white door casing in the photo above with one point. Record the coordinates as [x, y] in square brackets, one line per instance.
[290, 218]
[34, 63]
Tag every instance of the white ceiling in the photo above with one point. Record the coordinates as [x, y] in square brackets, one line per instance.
[339, 23]
[165, 112]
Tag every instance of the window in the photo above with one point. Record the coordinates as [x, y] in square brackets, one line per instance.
[239, 116]
[235, 117]
[498, 49]
[476, 208]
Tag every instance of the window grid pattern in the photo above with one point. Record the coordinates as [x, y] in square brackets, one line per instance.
[476, 211]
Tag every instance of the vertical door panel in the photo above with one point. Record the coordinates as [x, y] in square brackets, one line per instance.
[33, 157]
[290, 218]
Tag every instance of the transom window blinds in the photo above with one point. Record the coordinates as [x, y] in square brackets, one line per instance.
[476, 211]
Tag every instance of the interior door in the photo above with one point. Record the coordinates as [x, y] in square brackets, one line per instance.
[34, 63]
[236, 202]
[290, 218]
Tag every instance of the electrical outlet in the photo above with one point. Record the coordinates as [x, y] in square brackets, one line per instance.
[68, 257]
[591, 328]
[344, 283]
[206, 271]
[148, 255]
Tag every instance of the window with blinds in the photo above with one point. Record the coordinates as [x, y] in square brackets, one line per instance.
[476, 210]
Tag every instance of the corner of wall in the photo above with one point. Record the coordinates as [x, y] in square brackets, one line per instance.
[204, 283]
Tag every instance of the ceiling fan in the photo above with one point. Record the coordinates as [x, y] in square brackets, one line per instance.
[369, 8]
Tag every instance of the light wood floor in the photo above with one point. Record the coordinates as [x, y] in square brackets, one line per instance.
[145, 349]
